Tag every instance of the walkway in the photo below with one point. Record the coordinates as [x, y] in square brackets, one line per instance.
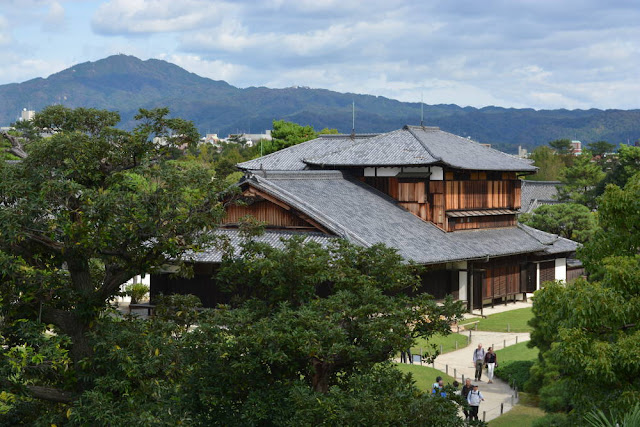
[499, 391]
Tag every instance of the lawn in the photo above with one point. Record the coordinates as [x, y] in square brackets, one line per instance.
[448, 343]
[522, 415]
[424, 376]
[508, 321]
[517, 352]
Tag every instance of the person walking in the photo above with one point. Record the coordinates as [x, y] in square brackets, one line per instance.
[473, 399]
[478, 360]
[466, 388]
[491, 360]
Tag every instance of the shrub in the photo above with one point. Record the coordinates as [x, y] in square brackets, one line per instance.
[137, 291]
[517, 370]
[552, 420]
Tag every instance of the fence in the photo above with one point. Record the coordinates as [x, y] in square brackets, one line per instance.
[501, 405]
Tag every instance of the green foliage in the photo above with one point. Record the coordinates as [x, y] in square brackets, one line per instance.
[581, 180]
[600, 148]
[514, 372]
[137, 291]
[562, 146]
[615, 419]
[617, 235]
[553, 420]
[549, 163]
[88, 209]
[285, 134]
[624, 168]
[569, 220]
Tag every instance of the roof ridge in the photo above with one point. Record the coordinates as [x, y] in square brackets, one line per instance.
[424, 145]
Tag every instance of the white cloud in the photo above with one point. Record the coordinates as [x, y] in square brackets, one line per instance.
[5, 36]
[55, 20]
[158, 16]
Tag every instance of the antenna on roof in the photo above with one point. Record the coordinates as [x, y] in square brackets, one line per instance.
[421, 110]
[353, 119]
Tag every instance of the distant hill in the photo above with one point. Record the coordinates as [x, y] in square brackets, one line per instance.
[126, 83]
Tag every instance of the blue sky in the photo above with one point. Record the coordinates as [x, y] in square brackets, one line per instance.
[534, 53]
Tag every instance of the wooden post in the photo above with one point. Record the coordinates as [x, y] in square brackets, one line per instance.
[457, 343]
[516, 339]
[462, 378]
[508, 327]
[455, 373]
[421, 353]
[484, 416]
[502, 408]
[504, 343]
[446, 369]
[440, 348]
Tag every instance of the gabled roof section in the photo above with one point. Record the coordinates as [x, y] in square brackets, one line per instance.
[537, 193]
[365, 216]
[419, 145]
[291, 158]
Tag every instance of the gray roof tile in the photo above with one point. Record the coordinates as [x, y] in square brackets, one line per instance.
[417, 145]
[537, 193]
[359, 213]
[290, 158]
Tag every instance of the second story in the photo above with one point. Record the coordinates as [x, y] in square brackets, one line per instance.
[447, 180]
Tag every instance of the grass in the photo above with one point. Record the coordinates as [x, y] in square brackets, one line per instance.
[424, 376]
[522, 415]
[508, 321]
[518, 351]
[448, 343]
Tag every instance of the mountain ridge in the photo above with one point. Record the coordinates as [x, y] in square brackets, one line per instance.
[126, 83]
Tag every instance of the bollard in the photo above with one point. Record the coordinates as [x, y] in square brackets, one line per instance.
[516, 392]
[457, 344]
[455, 373]
[462, 378]
[516, 339]
[508, 327]
[511, 400]
[502, 408]
[446, 369]
[421, 353]
[476, 326]
[484, 416]
[504, 343]
[440, 348]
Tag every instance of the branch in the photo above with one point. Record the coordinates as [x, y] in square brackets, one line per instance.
[51, 394]
[17, 148]
[46, 242]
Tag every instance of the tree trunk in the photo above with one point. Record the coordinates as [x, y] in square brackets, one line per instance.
[72, 325]
[320, 379]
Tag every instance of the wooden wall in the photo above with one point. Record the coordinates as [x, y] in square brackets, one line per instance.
[466, 195]
[489, 221]
[501, 281]
[267, 212]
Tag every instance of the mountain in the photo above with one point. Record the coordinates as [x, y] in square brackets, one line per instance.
[125, 83]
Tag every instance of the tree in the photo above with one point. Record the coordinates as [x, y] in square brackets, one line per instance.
[600, 148]
[562, 146]
[626, 166]
[549, 164]
[86, 210]
[580, 181]
[285, 134]
[588, 332]
[569, 220]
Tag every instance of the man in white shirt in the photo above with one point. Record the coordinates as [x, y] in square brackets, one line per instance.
[473, 399]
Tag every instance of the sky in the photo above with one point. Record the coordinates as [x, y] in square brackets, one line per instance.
[524, 54]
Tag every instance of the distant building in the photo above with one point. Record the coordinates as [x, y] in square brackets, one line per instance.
[26, 115]
[250, 139]
[522, 152]
[577, 147]
[536, 193]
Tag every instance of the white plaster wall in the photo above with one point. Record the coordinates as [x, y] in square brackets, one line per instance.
[561, 269]
[437, 174]
[462, 285]
[538, 275]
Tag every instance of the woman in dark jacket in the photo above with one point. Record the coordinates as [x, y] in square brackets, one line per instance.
[491, 361]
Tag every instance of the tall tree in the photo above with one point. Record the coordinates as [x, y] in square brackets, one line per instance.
[581, 180]
[569, 220]
[589, 332]
[600, 148]
[549, 164]
[624, 167]
[86, 210]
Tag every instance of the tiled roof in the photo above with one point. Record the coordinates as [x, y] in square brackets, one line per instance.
[272, 237]
[536, 193]
[365, 216]
[418, 145]
[291, 158]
